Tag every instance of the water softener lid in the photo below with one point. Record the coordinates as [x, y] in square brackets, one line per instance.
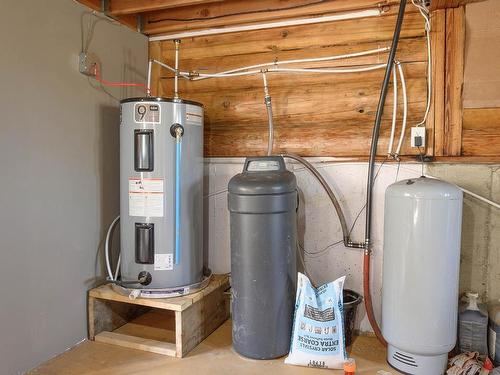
[263, 176]
[424, 188]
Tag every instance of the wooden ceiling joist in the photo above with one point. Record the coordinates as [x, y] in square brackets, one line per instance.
[236, 12]
[120, 7]
[174, 16]
[442, 4]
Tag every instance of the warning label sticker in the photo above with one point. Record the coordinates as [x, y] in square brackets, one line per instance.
[164, 262]
[194, 115]
[145, 197]
[194, 119]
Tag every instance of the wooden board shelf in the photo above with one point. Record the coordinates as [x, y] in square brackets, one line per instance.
[168, 326]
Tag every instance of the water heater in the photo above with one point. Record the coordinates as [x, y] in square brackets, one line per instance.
[422, 227]
[161, 193]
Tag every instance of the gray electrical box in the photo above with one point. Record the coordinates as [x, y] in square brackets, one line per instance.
[263, 226]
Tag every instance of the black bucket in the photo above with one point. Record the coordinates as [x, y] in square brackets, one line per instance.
[351, 302]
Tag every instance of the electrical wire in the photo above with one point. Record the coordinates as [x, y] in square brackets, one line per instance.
[104, 82]
[397, 171]
[87, 35]
[424, 11]
[215, 193]
[317, 254]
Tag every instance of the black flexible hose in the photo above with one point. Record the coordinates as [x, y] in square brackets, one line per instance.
[378, 121]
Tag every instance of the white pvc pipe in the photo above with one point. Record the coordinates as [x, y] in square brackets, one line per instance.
[405, 108]
[220, 75]
[477, 196]
[314, 59]
[486, 200]
[394, 110]
[172, 69]
[347, 70]
[271, 25]
[243, 71]
[290, 70]
[166, 66]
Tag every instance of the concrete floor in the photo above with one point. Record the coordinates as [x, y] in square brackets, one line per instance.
[213, 356]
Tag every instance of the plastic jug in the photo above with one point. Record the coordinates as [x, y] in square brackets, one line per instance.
[494, 332]
[473, 326]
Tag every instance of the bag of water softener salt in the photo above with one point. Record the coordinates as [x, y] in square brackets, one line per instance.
[318, 329]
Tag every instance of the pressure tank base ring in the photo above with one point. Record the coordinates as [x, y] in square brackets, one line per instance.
[165, 292]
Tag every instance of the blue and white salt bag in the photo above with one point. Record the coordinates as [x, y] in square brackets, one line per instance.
[318, 329]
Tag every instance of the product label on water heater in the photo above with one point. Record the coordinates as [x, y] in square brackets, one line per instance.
[145, 197]
[164, 262]
[147, 112]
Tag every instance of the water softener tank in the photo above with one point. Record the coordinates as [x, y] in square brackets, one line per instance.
[161, 192]
[263, 226]
[422, 227]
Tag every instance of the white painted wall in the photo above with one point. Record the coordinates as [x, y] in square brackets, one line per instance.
[59, 149]
[348, 181]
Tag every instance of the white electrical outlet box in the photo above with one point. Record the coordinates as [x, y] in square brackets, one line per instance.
[87, 63]
[416, 132]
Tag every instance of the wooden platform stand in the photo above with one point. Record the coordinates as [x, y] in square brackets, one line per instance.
[168, 326]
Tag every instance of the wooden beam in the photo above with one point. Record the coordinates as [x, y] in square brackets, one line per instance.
[435, 121]
[129, 20]
[455, 47]
[442, 4]
[120, 7]
[239, 12]
[481, 132]
[139, 343]
[92, 4]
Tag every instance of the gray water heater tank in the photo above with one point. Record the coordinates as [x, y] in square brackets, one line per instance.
[161, 193]
[263, 225]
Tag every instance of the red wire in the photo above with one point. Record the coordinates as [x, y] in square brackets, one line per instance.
[98, 78]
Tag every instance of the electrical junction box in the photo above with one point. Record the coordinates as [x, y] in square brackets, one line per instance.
[87, 63]
[418, 136]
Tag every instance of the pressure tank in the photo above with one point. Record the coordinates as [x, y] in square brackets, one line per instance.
[161, 193]
[422, 228]
[263, 229]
